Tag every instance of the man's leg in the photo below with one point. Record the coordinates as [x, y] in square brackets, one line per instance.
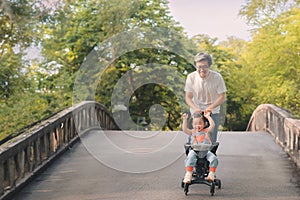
[216, 118]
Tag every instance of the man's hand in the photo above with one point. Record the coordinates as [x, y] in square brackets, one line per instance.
[198, 111]
[207, 113]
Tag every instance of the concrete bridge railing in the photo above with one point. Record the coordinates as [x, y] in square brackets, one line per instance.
[280, 124]
[25, 155]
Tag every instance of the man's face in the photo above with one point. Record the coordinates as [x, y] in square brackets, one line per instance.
[202, 68]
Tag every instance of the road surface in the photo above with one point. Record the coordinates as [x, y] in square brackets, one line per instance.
[150, 166]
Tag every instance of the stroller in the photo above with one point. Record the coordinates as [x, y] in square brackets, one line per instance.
[202, 167]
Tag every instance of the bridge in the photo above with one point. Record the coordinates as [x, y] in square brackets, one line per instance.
[80, 153]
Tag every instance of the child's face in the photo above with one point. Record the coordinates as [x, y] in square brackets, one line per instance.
[198, 124]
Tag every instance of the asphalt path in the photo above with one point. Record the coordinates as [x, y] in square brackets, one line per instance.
[114, 165]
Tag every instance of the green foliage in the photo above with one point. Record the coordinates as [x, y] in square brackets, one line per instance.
[22, 111]
[67, 33]
[70, 33]
[259, 13]
[264, 70]
[17, 22]
[138, 67]
[276, 64]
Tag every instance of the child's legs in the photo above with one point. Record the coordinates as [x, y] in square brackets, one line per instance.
[213, 161]
[190, 160]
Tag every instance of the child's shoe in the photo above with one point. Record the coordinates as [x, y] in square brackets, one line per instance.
[188, 177]
[211, 176]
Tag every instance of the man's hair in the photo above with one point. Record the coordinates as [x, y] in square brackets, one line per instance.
[203, 56]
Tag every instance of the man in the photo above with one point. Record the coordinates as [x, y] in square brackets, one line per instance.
[205, 90]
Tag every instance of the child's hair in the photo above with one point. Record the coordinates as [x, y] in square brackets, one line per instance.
[201, 115]
[197, 115]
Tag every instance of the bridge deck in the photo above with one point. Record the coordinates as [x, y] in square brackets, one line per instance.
[149, 165]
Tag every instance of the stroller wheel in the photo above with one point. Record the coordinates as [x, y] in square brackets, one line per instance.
[212, 189]
[186, 188]
[218, 183]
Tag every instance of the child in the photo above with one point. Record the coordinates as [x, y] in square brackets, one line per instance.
[199, 134]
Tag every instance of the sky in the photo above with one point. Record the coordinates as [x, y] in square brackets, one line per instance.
[216, 18]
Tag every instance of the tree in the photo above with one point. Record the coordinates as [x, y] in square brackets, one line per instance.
[259, 13]
[79, 28]
[18, 25]
[132, 62]
[14, 37]
[275, 64]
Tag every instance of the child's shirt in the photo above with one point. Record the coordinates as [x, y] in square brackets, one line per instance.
[201, 137]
